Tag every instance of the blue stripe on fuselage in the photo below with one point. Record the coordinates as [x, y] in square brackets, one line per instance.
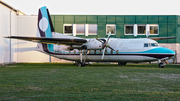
[159, 50]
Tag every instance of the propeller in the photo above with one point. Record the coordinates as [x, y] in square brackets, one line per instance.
[105, 44]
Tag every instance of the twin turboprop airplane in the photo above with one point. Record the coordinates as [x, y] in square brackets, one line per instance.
[95, 49]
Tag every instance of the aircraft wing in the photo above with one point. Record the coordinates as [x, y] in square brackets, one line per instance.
[45, 40]
[163, 38]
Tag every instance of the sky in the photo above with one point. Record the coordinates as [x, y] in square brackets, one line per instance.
[99, 7]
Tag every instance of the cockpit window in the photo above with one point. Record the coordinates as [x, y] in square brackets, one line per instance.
[154, 44]
[145, 44]
[151, 45]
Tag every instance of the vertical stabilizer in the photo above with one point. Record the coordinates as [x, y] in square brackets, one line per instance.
[45, 26]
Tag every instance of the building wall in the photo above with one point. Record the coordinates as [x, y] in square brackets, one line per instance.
[167, 24]
[27, 26]
[7, 28]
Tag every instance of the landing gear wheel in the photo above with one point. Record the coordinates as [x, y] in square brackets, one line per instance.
[121, 63]
[83, 64]
[125, 63]
[161, 65]
[79, 64]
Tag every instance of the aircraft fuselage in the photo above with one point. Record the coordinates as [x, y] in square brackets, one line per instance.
[126, 50]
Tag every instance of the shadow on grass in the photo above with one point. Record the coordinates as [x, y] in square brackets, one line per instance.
[95, 65]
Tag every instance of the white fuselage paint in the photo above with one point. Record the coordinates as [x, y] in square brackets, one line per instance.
[121, 47]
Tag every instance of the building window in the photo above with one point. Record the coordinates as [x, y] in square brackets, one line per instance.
[80, 29]
[154, 29]
[145, 29]
[92, 29]
[68, 29]
[129, 29]
[141, 29]
[111, 28]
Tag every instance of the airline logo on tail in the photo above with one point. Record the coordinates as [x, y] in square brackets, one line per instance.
[45, 27]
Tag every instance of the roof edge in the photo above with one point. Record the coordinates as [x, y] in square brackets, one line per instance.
[10, 7]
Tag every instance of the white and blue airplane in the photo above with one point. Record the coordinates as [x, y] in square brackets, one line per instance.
[95, 49]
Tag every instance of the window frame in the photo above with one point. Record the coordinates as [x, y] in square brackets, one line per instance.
[84, 30]
[107, 29]
[125, 29]
[146, 44]
[135, 29]
[64, 29]
[153, 25]
[145, 29]
[87, 28]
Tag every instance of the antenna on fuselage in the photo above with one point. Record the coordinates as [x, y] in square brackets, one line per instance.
[147, 35]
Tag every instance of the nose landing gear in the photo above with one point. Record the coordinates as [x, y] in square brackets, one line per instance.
[162, 63]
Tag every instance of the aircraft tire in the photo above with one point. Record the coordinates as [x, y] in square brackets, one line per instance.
[161, 65]
[121, 63]
[79, 64]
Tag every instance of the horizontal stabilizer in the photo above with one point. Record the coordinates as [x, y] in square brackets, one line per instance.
[163, 38]
[46, 40]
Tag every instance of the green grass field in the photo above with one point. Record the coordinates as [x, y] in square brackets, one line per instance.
[67, 82]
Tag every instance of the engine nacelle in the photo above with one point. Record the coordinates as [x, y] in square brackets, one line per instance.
[61, 48]
[93, 44]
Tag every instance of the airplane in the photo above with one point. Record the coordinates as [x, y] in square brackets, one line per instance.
[95, 49]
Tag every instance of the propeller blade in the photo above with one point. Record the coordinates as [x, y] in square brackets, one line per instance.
[103, 53]
[99, 40]
[108, 36]
[111, 48]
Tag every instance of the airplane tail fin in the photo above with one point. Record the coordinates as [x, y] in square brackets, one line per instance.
[45, 26]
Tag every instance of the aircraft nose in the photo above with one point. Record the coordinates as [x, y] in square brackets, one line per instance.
[165, 50]
[170, 51]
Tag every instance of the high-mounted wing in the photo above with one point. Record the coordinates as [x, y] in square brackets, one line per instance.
[163, 38]
[46, 40]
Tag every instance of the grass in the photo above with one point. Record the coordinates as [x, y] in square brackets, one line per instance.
[37, 81]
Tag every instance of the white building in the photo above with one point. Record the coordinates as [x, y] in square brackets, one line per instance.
[13, 23]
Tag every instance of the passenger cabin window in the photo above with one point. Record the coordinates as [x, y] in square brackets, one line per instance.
[145, 44]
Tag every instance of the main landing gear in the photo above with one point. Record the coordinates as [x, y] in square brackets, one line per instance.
[79, 64]
[122, 63]
[82, 63]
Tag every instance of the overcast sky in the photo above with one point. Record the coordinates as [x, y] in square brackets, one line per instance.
[99, 7]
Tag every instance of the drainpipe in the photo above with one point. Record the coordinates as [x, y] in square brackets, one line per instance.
[10, 39]
[49, 58]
